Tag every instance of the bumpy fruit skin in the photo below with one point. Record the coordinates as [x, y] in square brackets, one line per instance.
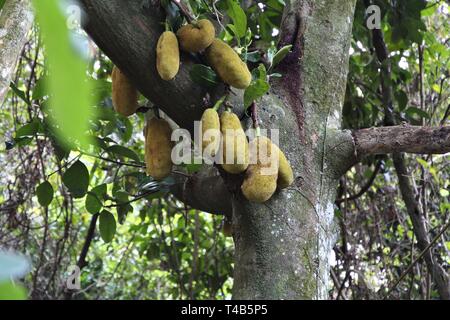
[124, 94]
[285, 173]
[167, 56]
[259, 186]
[210, 121]
[158, 148]
[196, 37]
[233, 135]
[228, 65]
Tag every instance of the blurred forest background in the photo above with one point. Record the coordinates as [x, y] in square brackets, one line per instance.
[145, 244]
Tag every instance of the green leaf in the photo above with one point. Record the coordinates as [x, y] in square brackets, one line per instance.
[280, 55]
[123, 206]
[94, 199]
[24, 141]
[193, 167]
[204, 76]
[2, 3]
[444, 193]
[76, 179]
[11, 291]
[258, 87]
[39, 90]
[411, 112]
[123, 152]
[44, 193]
[107, 226]
[424, 163]
[19, 93]
[153, 251]
[27, 130]
[255, 91]
[67, 83]
[238, 17]
[402, 99]
[122, 212]
[429, 11]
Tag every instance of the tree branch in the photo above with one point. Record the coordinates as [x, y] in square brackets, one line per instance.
[205, 191]
[129, 40]
[365, 188]
[409, 139]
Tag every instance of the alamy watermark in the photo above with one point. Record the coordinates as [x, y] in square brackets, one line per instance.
[373, 14]
[232, 147]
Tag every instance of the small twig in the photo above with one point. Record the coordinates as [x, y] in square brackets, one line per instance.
[254, 111]
[184, 10]
[428, 247]
[135, 165]
[365, 188]
[180, 173]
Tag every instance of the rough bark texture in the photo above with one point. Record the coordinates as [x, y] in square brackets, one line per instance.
[205, 190]
[411, 139]
[16, 19]
[283, 246]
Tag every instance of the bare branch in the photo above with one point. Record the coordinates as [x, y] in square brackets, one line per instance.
[205, 191]
[409, 139]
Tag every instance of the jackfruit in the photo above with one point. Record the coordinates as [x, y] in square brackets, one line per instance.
[228, 65]
[197, 36]
[285, 174]
[167, 56]
[158, 148]
[234, 142]
[124, 94]
[260, 181]
[210, 133]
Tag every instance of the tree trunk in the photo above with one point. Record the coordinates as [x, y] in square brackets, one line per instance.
[283, 246]
[16, 19]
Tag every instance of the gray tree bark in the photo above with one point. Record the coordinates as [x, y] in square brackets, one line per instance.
[16, 19]
[283, 246]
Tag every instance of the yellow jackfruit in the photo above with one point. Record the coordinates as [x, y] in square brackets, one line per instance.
[158, 148]
[228, 65]
[285, 174]
[234, 142]
[124, 94]
[197, 36]
[210, 132]
[167, 56]
[260, 181]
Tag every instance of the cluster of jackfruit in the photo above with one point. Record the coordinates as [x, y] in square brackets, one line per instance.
[265, 165]
[196, 37]
[263, 176]
[270, 170]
